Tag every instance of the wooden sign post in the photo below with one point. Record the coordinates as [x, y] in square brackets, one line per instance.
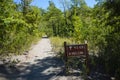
[80, 50]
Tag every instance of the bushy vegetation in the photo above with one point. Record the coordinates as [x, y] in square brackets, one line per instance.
[58, 45]
[21, 24]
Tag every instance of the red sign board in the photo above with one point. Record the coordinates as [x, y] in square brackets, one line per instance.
[76, 50]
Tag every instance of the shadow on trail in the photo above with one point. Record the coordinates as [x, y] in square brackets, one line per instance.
[44, 69]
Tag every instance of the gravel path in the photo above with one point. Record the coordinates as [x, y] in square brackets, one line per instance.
[37, 64]
[39, 51]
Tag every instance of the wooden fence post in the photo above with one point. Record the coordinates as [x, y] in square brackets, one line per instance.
[65, 48]
[87, 60]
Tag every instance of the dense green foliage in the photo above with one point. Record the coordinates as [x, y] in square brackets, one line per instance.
[18, 26]
[21, 24]
[104, 35]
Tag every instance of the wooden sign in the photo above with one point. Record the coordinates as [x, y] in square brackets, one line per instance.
[76, 50]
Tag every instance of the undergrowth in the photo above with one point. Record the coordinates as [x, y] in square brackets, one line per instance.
[58, 44]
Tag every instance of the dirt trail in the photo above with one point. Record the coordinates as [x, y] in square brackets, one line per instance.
[39, 51]
[38, 64]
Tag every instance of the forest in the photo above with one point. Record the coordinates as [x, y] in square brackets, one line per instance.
[23, 24]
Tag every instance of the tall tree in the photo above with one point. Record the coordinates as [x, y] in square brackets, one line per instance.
[25, 6]
[52, 17]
